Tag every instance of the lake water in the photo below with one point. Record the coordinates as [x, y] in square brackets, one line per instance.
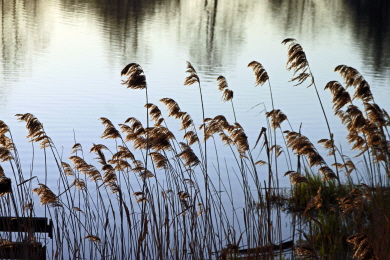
[61, 61]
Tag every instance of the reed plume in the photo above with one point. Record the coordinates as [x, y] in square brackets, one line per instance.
[352, 77]
[172, 107]
[36, 133]
[227, 93]
[155, 113]
[136, 77]
[362, 246]
[123, 153]
[79, 184]
[3, 128]
[188, 155]
[141, 170]
[296, 177]
[47, 197]
[277, 117]
[302, 146]
[297, 62]
[192, 77]
[85, 168]
[93, 238]
[260, 73]
[341, 97]
[191, 137]
[5, 141]
[353, 202]
[110, 132]
[134, 130]
[160, 160]
[5, 154]
[5, 185]
[67, 169]
[328, 145]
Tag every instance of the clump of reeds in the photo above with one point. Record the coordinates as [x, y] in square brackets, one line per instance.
[149, 194]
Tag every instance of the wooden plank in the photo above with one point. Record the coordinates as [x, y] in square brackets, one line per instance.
[26, 224]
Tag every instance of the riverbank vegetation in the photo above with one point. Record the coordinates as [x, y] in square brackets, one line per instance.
[160, 192]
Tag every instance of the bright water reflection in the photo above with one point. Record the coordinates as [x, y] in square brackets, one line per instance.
[60, 60]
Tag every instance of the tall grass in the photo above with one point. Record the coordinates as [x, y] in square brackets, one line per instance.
[152, 194]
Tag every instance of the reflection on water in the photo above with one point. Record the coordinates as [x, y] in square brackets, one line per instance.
[24, 32]
[371, 26]
[368, 21]
[212, 30]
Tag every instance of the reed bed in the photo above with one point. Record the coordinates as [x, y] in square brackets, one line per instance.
[153, 194]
